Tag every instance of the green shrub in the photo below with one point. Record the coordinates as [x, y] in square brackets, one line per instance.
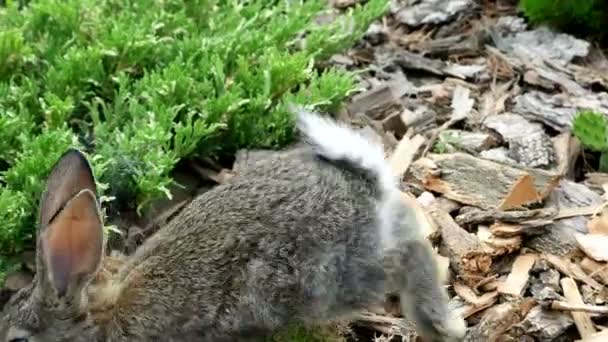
[579, 17]
[142, 84]
[592, 130]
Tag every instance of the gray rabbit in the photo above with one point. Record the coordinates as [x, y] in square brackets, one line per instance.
[314, 235]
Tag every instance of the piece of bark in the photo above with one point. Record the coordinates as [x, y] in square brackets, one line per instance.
[598, 225]
[543, 75]
[498, 245]
[557, 111]
[468, 256]
[529, 146]
[594, 245]
[377, 103]
[404, 153]
[464, 44]
[474, 303]
[534, 150]
[542, 43]
[591, 309]
[572, 270]
[596, 270]
[387, 58]
[595, 181]
[559, 236]
[581, 319]
[429, 12]
[420, 118]
[472, 142]
[482, 183]
[499, 319]
[511, 126]
[567, 149]
[499, 155]
[533, 227]
[600, 336]
[473, 215]
[545, 325]
[516, 282]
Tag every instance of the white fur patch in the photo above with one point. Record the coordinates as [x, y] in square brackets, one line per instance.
[336, 141]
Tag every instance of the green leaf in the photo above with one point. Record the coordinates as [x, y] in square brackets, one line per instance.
[592, 130]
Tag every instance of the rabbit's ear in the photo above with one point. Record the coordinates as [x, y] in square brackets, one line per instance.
[72, 245]
[71, 174]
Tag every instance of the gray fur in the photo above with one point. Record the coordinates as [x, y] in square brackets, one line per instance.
[300, 238]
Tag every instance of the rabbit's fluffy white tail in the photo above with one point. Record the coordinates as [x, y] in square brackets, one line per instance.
[337, 142]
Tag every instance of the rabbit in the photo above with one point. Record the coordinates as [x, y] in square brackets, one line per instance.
[312, 235]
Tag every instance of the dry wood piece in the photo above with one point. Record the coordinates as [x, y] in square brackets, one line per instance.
[483, 183]
[594, 245]
[551, 78]
[529, 146]
[557, 111]
[596, 269]
[592, 309]
[581, 319]
[473, 215]
[430, 12]
[463, 44]
[532, 227]
[517, 280]
[498, 245]
[468, 141]
[601, 336]
[572, 270]
[567, 149]
[468, 256]
[404, 153]
[377, 103]
[598, 225]
[541, 43]
[474, 302]
[596, 180]
[576, 201]
[545, 325]
[499, 319]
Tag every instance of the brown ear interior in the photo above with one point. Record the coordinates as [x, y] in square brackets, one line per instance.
[73, 243]
[71, 174]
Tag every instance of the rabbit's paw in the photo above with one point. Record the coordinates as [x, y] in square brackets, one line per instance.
[452, 329]
[434, 327]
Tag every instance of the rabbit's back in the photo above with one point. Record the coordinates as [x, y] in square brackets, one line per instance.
[295, 235]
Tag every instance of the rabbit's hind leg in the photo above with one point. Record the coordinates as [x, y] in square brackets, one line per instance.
[412, 271]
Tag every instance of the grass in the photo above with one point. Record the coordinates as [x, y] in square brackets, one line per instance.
[589, 17]
[142, 84]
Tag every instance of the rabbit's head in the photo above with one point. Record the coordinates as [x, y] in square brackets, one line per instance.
[69, 252]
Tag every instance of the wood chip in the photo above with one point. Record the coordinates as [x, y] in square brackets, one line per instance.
[468, 256]
[499, 319]
[482, 183]
[475, 303]
[404, 153]
[596, 270]
[598, 225]
[431, 12]
[601, 336]
[517, 280]
[581, 319]
[572, 270]
[594, 245]
[377, 103]
[592, 309]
